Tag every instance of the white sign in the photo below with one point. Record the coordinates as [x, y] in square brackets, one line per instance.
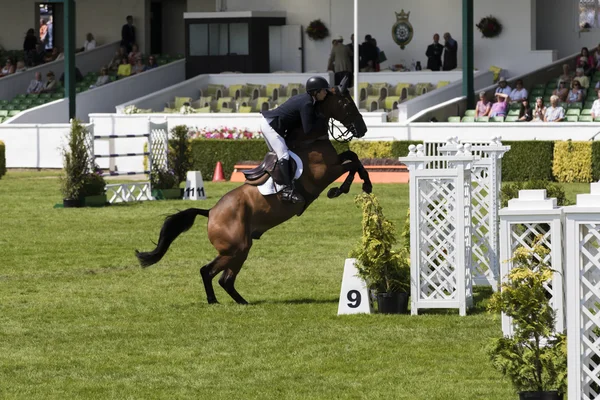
[354, 297]
[194, 186]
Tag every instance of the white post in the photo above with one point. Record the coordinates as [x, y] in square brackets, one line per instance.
[355, 61]
[583, 294]
[525, 218]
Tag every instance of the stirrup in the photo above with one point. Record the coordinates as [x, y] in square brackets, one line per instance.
[288, 194]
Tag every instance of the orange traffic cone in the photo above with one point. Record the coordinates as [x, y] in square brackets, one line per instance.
[218, 174]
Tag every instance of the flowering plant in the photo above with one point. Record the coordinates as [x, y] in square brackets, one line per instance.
[317, 30]
[162, 178]
[223, 133]
[489, 27]
[132, 109]
[186, 110]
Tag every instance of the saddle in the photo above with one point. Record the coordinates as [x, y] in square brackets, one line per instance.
[268, 168]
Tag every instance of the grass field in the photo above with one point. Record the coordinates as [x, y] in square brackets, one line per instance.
[79, 319]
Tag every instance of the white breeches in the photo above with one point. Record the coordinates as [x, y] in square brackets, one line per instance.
[274, 141]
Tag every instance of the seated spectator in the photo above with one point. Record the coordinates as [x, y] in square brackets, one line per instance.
[36, 85]
[21, 66]
[138, 68]
[482, 109]
[9, 68]
[90, 43]
[519, 92]
[597, 56]
[124, 69]
[576, 93]
[103, 79]
[151, 63]
[50, 83]
[525, 113]
[116, 60]
[581, 78]
[500, 107]
[562, 92]
[554, 113]
[585, 61]
[56, 55]
[596, 107]
[503, 87]
[567, 76]
[134, 55]
[539, 111]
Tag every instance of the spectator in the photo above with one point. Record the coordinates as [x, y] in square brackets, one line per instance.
[567, 76]
[503, 87]
[128, 34]
[596, 107]
[581, 78]
[525, 113]
[134, 55]
[21, 66]
[539, 111]
[50, 83]
[124, 69]
[562, 92]
[554, 113]
[519, 92]
[585, 61]
[9, 68]
[116, 60]
[103, 79]
[151, 63]
[377, 60]
[450, 53]
[597, 56]
[483, 107]
[576, 93]
[36, 85]
[90, 43]
[330, 60]
[340, 60]
[56, 55]
[500, 107]
[368, 55]
[138, 68]
[434, 54]
[43, 32]
[29, 46]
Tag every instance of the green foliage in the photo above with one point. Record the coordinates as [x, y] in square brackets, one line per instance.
[180, 152]
[534, 358]
[511, 191]
[400, 148]
[528, 160]
[406, 231]
[384, 269]
[371, 149]
[596, 161]
[2, 159]
[161, 178]
[78, 179]
[572, 161]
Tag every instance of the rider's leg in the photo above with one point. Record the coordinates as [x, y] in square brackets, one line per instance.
[277, 143]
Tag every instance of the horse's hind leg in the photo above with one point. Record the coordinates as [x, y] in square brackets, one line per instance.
[227, 280]
[208, 272]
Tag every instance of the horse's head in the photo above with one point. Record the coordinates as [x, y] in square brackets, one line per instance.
[339, 105]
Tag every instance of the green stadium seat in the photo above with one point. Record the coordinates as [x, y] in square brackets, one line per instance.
[27, 102]
[482, 119]
[9, 107]
[597, 119]
[468, 118]
[496, 119]
[571, 118]
[4, 102]
[537, 92]
[564, 104]
[45, 96]
[573, 111]
[514, 106]
[470, 113]
[33, 96]
[21, 96]
[22, 107]
[585, 118]
[450, 119]
[576, 104]
[514, 112]
[511, 118]
[39, 102]
[2, 119]
[3, 113]
[593, 95]
[538, 86]
[58, 95]
[549, 91]
[588, 104]
[12, 113]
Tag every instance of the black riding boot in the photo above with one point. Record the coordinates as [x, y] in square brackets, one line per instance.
[288, 193]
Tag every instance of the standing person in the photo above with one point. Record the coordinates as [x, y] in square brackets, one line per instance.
[450, 53]
[340, 60]
[434, 54]
[298, 111]
[368, 55]
[128, 34]
[350, 47]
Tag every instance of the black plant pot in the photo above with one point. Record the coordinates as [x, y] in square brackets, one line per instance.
[549, 395]
[71, 203]
[392, 303]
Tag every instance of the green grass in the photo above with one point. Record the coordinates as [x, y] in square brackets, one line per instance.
[79, 319]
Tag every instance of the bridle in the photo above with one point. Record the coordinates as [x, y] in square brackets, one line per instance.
[337, 133]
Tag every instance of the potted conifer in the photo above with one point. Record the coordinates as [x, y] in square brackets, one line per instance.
[386, 271]
[535, 357]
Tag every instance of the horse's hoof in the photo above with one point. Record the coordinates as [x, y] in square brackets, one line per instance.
[333, 193]
[213, 301]
[367, 188]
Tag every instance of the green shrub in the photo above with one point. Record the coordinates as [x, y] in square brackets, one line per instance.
[207, 152]
[400, 148]
[528, 160]
[596, 161]
[372, 149]
[180, 153]
[511, 191]
[2, 159]
[572, 161]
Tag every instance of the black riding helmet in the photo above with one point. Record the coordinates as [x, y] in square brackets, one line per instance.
[316, 83]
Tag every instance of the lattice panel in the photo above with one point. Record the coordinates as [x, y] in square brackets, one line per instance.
[437, 246]
[158, 143]
[126, 192]
[484, 252]
[589, 248]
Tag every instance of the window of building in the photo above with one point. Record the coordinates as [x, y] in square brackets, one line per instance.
[218, 39]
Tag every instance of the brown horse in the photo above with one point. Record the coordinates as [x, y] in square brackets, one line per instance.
[244, 214]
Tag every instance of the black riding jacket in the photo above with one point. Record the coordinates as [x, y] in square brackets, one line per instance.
[298, 110]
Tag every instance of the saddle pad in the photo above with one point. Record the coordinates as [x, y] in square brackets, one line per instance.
[270, 187]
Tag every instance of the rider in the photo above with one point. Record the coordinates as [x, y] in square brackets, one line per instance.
[298, 111]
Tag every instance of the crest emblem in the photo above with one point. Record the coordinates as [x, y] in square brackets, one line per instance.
[402, 30]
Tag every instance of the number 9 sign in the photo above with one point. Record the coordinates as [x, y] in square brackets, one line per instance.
[354, 296]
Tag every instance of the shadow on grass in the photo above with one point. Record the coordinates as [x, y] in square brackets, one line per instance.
[296, 301]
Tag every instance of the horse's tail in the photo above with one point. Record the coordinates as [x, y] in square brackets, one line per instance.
[174, 226]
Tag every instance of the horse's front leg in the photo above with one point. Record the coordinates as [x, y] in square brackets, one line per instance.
[353, 167]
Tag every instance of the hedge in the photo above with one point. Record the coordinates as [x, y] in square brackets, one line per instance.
[528, 160]
[596, 161]
[2, 159]
[572, 162]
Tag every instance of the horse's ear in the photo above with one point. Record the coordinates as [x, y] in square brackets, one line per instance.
[344, 85]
